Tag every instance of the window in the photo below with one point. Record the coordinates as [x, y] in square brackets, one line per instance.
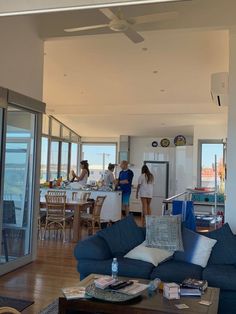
[65, 133]
[208, 150]
[44, 159]
[74, 157]
[56, 128]
[64, 160]
[45, 129]
[54, 156]
[98, 156]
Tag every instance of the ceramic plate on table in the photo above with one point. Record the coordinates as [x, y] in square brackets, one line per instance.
[108, 295]
[165, 142]
[180, 140]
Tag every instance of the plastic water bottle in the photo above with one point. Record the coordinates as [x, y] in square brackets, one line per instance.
[114, 268]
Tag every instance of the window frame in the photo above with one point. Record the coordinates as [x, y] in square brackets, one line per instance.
[199, 164]
[51, 138]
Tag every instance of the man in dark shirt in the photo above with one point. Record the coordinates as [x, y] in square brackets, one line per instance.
[125, 183]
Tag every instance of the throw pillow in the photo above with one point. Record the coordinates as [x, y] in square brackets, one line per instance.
[147, 254]
[224, 251]
[164, 232]
[197, 248]
[122, 236]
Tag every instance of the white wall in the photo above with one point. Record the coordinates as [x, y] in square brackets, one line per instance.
[206, 132]
[21, 57]
[141, 150]
[230, 207]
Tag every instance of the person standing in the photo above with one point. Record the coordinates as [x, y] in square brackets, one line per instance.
[109, 178]
[125, 183]
[145, 191]
[84, 174]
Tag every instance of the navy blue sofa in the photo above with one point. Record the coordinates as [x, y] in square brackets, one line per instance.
[95, 254]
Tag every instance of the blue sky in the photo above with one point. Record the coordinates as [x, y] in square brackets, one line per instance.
[94, 153]
[208, 154]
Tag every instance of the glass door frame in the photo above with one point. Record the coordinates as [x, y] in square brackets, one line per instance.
[11, 98]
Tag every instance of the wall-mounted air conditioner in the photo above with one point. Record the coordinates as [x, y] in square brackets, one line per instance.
[220, 88]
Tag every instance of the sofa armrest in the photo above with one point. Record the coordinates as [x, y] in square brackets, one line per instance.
[92, 248]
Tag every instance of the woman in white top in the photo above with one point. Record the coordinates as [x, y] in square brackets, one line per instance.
[109, 175]
[145, 191]
[84, 174]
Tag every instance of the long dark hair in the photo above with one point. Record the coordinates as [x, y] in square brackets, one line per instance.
[147, 173]
[86, 165]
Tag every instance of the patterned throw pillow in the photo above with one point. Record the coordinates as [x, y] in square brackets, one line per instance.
[164, 232]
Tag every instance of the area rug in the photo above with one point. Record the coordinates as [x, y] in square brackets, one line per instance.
[52, 308]
[18, 304]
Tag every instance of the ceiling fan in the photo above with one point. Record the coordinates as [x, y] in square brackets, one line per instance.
[119, 23]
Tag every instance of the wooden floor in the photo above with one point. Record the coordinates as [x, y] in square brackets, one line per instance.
[42, 280]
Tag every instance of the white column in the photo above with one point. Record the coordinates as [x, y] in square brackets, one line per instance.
[230, 210]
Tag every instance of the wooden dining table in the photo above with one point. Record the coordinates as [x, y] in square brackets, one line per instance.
[77, 206]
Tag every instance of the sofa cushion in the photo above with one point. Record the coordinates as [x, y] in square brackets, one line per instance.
[149, 254]
[127, 268]
[94, 248]
[197, 248]
[122, 236]
[227, 302]
[224, 252]
[164, 232]
[221, 276]
[176, 271]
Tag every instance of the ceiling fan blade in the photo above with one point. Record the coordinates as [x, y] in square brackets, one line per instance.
[84, 28]
[133, 35]
[150, 18]
[108, 13]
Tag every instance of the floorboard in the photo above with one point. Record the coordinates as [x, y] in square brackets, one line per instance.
[43, 279]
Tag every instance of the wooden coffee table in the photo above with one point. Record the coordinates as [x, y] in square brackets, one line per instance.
[143, 305]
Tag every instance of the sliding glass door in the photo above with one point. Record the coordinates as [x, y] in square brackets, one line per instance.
[20, 176]
[17, 187]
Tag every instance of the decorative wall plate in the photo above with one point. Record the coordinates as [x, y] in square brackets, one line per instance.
[165, 142]
[154, 144]
[180, 140]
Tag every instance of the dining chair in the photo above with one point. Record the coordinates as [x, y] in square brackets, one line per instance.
[85, 196]
[92, 220]
[56, 212]
[7, 309]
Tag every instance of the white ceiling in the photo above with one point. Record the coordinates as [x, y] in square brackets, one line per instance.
[104, 85]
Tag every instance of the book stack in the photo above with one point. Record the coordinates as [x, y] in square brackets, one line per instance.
[193, 287]
[74, 293]
[171, 291]
[104, 282]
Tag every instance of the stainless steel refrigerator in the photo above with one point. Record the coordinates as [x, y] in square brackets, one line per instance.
[160, 171]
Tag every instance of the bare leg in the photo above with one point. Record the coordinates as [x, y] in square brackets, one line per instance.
[144, 209]
[149, 211]
[126, 210]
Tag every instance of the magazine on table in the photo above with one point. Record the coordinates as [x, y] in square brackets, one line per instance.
[195, 284]
[74, 293]
[135, 289]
